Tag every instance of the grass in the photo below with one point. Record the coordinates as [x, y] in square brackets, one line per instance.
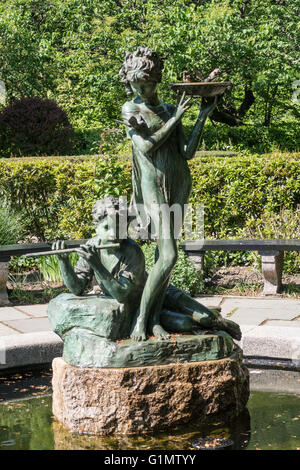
[23, 291]
[49, 267]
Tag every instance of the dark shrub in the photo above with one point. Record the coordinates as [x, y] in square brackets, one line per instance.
[34, 126]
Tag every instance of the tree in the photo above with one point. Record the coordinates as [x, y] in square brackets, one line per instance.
[26, 66]
[72, 50]
[254, 43]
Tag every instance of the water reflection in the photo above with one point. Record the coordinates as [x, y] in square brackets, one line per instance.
[26, 424]
[274, 423]
[238, 431]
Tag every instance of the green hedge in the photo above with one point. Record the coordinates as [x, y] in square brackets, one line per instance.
[234, 189]
[56, 194]
[284, 137]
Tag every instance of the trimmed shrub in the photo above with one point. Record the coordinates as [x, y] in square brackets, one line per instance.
[235, 189]
[250, 138]
[57, 194]
[284, 225]
[34, 126]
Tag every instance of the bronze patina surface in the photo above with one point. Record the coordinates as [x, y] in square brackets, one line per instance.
[134, 303]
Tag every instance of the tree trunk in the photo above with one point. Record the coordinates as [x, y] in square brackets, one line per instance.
[269, 106]
[220, 115]
[229, 114]
[247, 102]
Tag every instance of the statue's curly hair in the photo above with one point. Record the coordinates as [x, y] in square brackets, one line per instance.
[104, 207]
[142, 64]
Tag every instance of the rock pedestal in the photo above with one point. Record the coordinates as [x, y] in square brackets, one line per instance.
[107, 401]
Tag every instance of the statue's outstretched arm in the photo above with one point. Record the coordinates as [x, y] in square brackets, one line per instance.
[194, 139]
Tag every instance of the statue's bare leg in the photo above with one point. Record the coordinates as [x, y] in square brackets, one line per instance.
[207, 318]
[155, 327]
[155, 288]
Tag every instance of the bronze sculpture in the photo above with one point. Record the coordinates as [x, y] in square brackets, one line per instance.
[105, 382]
[160, 153]
[132, 302]
[120, 273]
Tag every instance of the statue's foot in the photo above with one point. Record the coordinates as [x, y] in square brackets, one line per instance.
[230, 327]
[159, 332]
[216, 311]
[138, 334]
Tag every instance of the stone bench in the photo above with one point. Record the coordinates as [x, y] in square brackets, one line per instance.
[271, 251]
[8, 251]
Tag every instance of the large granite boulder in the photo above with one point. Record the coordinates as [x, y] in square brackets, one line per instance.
[106, 401]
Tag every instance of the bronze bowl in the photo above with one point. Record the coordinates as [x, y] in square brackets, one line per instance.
[201, 89]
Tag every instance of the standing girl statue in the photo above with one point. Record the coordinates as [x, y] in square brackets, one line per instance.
[161, 176]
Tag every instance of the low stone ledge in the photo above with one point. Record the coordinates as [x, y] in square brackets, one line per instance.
[273, 342]
[136, 400]
[29, 349]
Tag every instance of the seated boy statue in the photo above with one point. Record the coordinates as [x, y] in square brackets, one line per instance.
[119, 271]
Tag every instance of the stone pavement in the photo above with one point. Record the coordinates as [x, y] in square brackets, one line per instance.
[270, 328]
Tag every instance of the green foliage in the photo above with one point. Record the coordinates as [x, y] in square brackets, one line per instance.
[216, 259]
[30, 186]
[284, 225]
[99, 141]
[49, 267]
[27, 65]
[11, 225]
[234, 189]
[270, 225]
[72, 50]
[56, 194]
[19, 264]
[184, 275]
[250, 138]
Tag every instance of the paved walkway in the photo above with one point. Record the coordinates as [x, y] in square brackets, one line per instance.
[270, 327]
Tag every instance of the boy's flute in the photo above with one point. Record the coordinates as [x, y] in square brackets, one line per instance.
[69, 250]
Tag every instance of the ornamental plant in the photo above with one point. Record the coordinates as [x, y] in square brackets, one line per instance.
[34, 126]
[11, 225]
